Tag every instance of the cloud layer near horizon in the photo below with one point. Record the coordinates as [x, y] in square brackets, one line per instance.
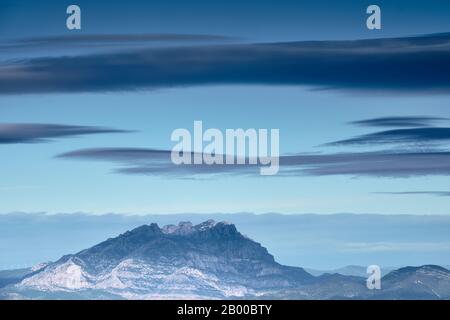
[415, 64]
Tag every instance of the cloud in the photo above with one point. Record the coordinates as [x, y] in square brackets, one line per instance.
[412, 121]
[99, 40]
[36, 133]
[375, 164]
[395, 136]
[152, 162]
[415, 64]
[431, 193]
[395, 246]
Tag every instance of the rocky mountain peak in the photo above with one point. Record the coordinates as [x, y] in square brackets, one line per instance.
[187, 228]
[176, 243]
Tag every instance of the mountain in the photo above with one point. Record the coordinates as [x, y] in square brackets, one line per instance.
[411, 283]
[205, 261]
[426, 283]
[209, 260]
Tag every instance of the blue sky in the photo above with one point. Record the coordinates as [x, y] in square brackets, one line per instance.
[39, 182]
[34, 180]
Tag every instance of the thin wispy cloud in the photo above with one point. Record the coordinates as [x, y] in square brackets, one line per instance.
[395, 246]
[415, 64]
[414, 193]
[375, 164]
[399, 136]
[398, 122]
[11, 133]
[154, 162]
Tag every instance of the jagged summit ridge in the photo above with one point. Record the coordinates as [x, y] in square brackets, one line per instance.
[177, 244]
[186, 227]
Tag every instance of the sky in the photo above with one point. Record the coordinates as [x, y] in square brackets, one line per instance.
[364, 124]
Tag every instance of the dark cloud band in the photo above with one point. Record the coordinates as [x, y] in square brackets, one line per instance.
[403, 64]
[34, 133]
[399, 122]
[399, 136]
